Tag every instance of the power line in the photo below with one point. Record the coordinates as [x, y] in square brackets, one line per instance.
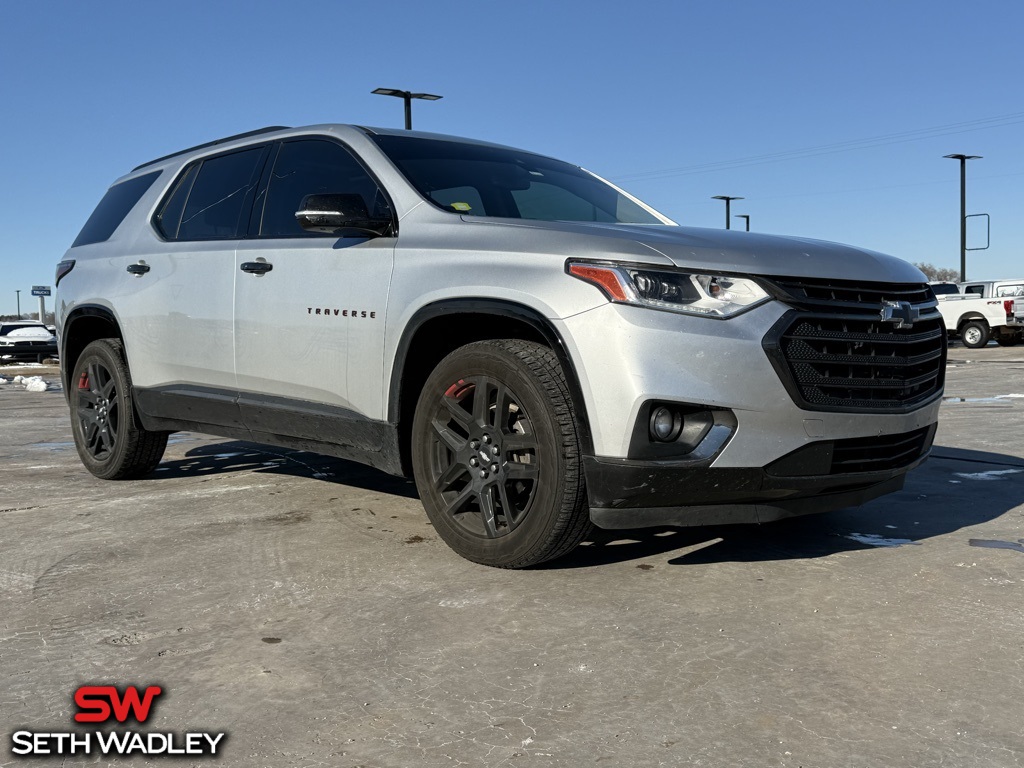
[902, 137]
[818, 193]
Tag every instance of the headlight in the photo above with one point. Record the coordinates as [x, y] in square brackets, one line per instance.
[710, 295]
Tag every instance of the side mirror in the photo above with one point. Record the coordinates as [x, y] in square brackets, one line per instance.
[343, 215]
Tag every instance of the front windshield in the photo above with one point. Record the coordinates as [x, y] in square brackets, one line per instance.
[480, 180]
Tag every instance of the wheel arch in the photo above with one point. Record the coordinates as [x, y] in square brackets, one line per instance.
[439, 328]
[968, 317]
[83, 325]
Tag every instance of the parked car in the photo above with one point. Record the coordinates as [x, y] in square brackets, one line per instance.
[22, 340]
[537, 348]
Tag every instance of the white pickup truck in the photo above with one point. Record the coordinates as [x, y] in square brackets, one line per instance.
[977, 318]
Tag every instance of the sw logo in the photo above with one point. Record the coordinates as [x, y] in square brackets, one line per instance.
[98, 702]
[106, 703]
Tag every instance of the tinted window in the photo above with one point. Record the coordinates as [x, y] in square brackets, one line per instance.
[978, 289]
[508, 182]
[112, 209]
[219, 202]
[308, 168]
[169, 217]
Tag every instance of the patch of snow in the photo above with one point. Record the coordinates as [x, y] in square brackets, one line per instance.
[3, 380]
[34, 383]
[1007, 397]
[995, 474]
[874, 540]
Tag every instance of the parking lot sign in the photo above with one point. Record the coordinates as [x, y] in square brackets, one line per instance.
[40, 290]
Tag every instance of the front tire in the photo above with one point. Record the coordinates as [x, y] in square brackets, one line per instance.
[496, 455]
[974, 334]
[109, 443]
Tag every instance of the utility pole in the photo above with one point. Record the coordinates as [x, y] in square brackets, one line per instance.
[17, 295]
[963, 210]
[727, 201]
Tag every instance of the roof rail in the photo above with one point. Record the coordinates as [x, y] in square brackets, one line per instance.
[247, 134]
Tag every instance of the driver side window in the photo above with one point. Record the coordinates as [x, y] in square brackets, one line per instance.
[310, 167]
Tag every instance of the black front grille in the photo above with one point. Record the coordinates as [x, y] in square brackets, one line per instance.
[845, 294]
[835, 352]
[877, 454]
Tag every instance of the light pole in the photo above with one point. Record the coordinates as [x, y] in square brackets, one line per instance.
[17, 295]
[727, 201]
[407, 97]
[746, 219]
[963, 210]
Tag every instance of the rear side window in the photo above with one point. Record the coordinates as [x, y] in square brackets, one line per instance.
[1005, 291]
[112, 209]
[213, 198]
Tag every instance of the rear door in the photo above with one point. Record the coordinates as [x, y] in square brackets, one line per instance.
[309, 308]
[180, 316]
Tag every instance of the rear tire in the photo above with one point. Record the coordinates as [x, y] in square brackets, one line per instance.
[1008, 340]
[496, 455]
[974, 334]
[110, 444]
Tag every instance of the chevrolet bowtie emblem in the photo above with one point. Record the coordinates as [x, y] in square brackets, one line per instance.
[900, 313]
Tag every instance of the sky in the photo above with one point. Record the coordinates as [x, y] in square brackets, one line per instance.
[830, 119]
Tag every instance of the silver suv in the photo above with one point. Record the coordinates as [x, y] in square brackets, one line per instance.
[538, 349]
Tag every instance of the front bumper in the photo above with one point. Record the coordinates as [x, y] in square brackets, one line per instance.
[638, 494]
[31, 352]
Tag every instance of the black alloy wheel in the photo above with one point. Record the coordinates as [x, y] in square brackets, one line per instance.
[496, 455]
[109, 442]
[484, 459]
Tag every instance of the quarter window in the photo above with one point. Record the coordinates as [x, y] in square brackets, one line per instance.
[112, 209]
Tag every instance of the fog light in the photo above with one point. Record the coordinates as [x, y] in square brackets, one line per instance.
[666, 425]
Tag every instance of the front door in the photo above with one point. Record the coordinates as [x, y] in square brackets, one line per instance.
[309, 309]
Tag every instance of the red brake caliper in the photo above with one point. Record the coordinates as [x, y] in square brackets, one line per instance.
[458, 389]
[83, 381]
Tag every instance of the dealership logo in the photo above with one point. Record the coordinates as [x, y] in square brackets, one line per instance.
[107, 704]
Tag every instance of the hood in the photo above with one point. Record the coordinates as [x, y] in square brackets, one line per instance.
[29, 332]
[741, 252]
